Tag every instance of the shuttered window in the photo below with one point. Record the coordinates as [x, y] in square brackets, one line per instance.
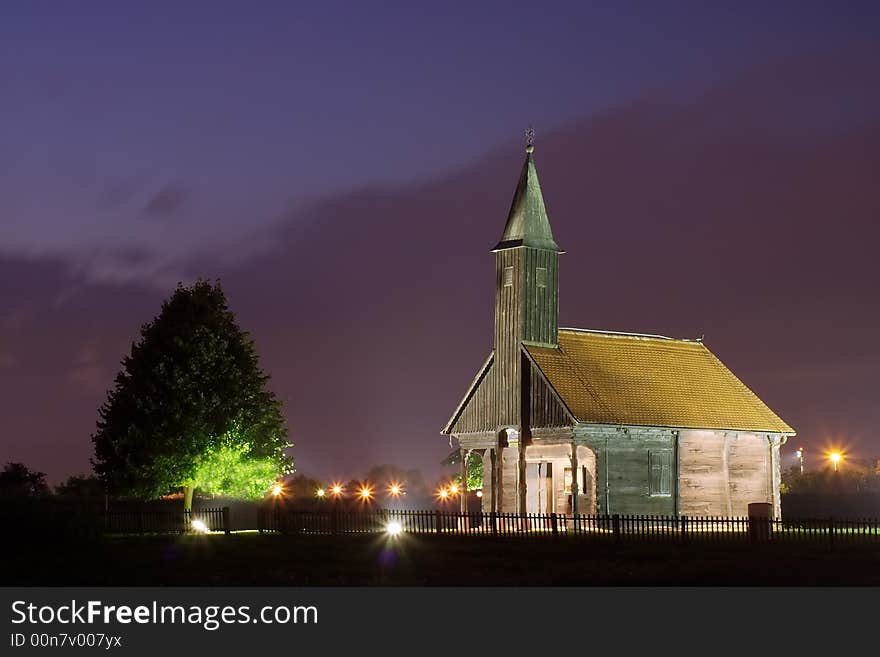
[508, 276]
[541, 277]
[660, 463]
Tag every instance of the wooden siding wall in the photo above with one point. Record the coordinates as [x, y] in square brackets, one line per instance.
[749, 472]
[540, 313]
[623, 471]
[481, 412]
[508, 320]
[523, 312]
[722, 472]
[545, 410]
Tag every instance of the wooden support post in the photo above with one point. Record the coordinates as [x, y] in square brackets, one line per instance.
[574, 481]
[499, 478]
[464, 480]
[489, 482]
[521, 477]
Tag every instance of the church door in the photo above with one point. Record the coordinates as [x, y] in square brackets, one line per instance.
[539, 487]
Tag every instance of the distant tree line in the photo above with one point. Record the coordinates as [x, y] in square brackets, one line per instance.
[853, 476]
[19, 481]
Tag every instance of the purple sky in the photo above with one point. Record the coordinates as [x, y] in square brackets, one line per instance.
[345, 171]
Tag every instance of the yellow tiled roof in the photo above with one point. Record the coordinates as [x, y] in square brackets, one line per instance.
[614, 378]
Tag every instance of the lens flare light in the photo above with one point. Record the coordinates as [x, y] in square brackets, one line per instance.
[835, 457]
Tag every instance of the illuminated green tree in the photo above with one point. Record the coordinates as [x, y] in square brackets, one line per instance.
[474, 469]
[190, 407]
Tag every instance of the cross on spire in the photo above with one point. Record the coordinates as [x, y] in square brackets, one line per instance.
[530, 139]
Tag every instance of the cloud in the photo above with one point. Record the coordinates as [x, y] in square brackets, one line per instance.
[169, 202]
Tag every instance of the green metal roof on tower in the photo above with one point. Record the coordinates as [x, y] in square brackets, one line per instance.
[527, 222]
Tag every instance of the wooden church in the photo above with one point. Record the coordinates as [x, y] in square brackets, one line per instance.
[577, 421]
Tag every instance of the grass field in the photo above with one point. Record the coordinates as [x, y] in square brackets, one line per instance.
[271, 559]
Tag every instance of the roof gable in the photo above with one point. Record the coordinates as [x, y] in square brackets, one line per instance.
[462, 418]
[609, 378]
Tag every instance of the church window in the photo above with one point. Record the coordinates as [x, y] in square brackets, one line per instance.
[541, 277]
[508, 276]
[660, 463]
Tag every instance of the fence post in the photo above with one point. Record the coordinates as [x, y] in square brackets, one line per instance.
[553, 524]
[831, 531]
[437, 521]
[493, 518]
[615, 526]
[684, 529]
[226, 527]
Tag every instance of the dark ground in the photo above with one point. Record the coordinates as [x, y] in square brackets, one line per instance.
[254, 559]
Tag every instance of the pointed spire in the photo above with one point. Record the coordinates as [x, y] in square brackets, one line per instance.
[527, 222]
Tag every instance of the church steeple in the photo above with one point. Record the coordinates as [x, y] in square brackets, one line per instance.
[526, 290]
[527, 267]
[527, 222]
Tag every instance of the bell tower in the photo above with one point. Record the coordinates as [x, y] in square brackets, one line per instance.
[526, 289]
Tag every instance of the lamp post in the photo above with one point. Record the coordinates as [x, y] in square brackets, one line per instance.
[836, 458]
[800, 457]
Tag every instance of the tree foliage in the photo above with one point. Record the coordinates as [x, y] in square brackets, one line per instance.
[191, 407]
[81, 487]
[17, 480]
[474, 469]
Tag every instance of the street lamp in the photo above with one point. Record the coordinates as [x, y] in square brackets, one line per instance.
[320, 493]
[800, 457]
[836, 458]
[277, 489]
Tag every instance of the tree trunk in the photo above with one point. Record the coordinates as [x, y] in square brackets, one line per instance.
[187, 498]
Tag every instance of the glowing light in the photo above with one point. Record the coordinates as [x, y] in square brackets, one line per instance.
[277, 489]
[443, 494]
[200, 526]
[365, 493]
[336, 490]
[395, 489]
[320, 492]
[454, 489]
[835, 457]
[479, 493]
[393, 528]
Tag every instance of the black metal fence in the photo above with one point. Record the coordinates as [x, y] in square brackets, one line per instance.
[621, 528]
[58, 521]
[164, 522]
